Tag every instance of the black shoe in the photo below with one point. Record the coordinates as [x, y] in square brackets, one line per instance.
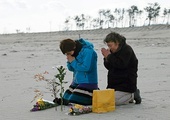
[137, 97]
[58, 101]
[131, 101]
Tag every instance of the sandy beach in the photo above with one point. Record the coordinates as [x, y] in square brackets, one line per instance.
[23, 55]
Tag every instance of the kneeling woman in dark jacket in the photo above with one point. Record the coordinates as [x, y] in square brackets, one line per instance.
[122, 65]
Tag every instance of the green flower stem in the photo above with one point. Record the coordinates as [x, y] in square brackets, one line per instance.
[60, 76]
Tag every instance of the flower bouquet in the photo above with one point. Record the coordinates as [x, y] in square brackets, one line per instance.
[42, 104]
[52, 86]
[77, 109]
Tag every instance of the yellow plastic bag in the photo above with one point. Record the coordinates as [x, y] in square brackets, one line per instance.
[103, 101]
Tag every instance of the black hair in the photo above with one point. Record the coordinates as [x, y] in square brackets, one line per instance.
[114, 37]
[67, 45]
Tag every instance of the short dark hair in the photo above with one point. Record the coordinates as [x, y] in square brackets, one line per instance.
[67, 45]
[114, 37]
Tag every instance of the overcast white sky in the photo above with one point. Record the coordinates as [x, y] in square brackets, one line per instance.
[49, 15]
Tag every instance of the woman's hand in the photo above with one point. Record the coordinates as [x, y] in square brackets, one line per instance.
[105, 52]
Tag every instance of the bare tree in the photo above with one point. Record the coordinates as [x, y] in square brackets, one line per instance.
[28, 29]
[17, 30]
[153, 11]
[80, 21]
[88, 21]
[122, 13]
[120, 17]
[102, 15]
[132, 11]
[138, 15]
[67, 23]
[117, 13]
[77, 20]
[166, 14]
[96, 23]
[110, 19]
